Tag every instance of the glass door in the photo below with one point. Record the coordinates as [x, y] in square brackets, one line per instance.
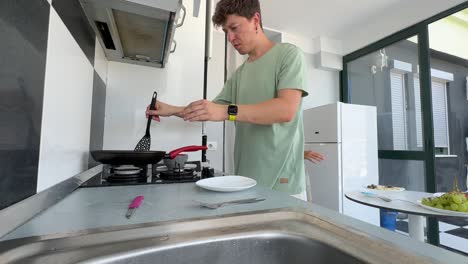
[418, 80]
[388, 77]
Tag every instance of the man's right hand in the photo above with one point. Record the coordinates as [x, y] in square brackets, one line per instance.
[163, 109]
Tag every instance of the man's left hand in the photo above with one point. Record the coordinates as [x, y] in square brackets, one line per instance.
[313, 156]
[204, 110]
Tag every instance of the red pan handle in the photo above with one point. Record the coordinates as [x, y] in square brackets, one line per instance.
[176, 152]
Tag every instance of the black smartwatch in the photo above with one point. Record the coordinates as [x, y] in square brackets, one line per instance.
[232, 112]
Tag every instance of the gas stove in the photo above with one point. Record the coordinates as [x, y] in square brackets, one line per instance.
[120, 175]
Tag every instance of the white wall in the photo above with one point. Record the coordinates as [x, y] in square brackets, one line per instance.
[307, 45]
[323, 85]
[130, 87]
[66, 112]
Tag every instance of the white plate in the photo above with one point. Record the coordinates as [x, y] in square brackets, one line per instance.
[397, 189]
[231, 183]
[448, 212]
[438, 194]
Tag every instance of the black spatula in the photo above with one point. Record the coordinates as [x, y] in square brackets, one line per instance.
[145, 141]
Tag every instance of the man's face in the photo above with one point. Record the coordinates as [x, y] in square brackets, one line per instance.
[241, 32]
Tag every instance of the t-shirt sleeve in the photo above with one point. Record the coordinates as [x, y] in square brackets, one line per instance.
[227, 94]
[292, 72]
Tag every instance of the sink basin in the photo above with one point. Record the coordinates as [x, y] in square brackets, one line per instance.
[280, 236]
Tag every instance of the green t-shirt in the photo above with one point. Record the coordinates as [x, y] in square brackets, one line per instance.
[273, 155]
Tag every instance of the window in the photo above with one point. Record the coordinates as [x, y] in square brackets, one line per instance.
[417, 106]
[398, 99]
[439, 111]
[400, 104]
[439, 114]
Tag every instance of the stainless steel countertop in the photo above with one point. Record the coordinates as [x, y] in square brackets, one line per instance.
[105, 207]
[98, 207]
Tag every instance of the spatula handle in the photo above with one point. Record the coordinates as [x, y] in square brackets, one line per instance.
[134, 205]
[152, 107]
[136, 202]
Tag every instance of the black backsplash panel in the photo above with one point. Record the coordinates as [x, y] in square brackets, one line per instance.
[97, 117]
[73, 17]
[23, 47]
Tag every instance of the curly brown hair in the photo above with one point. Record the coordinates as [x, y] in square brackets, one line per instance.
[244, 8]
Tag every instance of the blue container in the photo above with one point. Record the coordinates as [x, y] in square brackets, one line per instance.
[388, 219]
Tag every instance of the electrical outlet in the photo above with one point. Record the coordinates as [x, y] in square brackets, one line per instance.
[212, 145]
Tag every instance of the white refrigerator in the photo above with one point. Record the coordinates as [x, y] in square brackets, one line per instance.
[346, 135]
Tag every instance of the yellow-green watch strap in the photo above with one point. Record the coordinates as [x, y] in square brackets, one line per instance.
[232, 118]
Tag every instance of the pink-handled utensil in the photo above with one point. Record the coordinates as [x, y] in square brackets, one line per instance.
[134, 205]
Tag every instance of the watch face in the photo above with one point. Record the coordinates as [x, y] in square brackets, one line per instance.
[232, 109]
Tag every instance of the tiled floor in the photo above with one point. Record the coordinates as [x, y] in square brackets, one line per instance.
[453, 232]
[458, 221]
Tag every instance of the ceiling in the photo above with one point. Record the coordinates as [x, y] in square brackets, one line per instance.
[317, 17]
[356, 23]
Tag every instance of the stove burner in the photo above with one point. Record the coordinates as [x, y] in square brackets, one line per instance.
[126, 179]
[127, 170]
[177, 174]
[187, 166]
[127, 174]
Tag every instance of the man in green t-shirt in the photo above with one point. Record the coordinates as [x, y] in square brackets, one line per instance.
[263, 97]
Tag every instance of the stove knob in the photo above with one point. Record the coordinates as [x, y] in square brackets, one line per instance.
[207, 172]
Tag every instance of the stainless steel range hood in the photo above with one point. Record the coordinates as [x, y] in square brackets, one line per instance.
[135, 31]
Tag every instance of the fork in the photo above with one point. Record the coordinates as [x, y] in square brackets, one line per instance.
[241, 201]
[385, 199]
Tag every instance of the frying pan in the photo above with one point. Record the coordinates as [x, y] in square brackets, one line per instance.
[127, 157]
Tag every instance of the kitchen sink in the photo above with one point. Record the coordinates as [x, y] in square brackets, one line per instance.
[279, 236]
